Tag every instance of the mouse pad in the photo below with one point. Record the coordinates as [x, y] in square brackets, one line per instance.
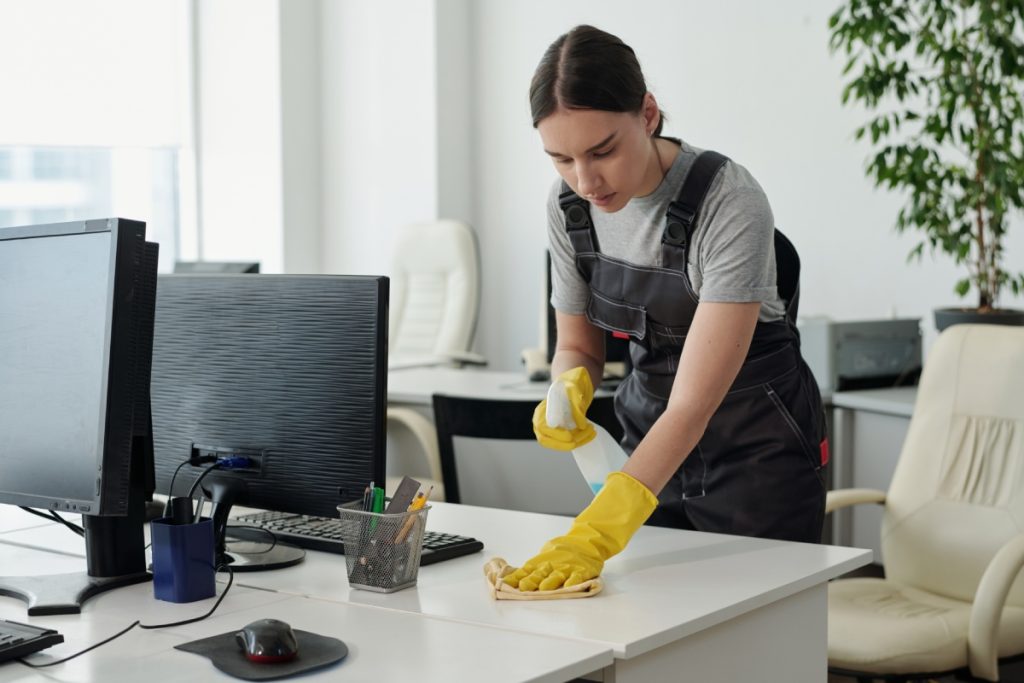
[315, 651]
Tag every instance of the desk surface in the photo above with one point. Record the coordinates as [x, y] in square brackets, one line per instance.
[384, 645]
[666, 585]
[416, 385]
[894, 401]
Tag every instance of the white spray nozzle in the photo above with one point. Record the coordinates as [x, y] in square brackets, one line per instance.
[559, 412]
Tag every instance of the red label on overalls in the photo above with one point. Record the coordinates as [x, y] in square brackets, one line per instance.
[823, 447]
[620, 335]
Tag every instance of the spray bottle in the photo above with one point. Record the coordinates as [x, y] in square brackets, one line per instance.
[597, 458]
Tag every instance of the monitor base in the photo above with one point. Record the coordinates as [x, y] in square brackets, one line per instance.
[249, 556]
[63, 593]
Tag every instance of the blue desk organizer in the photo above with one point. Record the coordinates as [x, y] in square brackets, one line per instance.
[183, 557]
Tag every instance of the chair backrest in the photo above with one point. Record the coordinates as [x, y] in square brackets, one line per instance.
[957, 494]
[489, 456]
[435, 290]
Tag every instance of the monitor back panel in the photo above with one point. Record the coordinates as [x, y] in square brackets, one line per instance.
[292, 367]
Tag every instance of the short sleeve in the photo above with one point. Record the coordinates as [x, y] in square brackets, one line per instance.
[737, 252]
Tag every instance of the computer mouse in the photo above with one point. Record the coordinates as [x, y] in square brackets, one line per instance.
[268, 641]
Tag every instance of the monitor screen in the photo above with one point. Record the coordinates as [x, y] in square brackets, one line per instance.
[288, 370]
[76, 305]
[54, 324]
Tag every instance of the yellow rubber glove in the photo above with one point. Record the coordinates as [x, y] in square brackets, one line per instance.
[600, 531]
[580, 392]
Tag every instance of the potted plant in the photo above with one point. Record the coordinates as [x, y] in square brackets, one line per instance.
[944, 81]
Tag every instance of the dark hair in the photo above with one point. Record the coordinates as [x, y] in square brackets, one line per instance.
[587, 68]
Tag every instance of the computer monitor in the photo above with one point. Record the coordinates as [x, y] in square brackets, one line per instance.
[216, 267]
[76, 322]
[288, 370]
[616, 348]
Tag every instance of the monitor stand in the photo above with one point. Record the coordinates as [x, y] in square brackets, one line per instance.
[244, 556]
[115, 556]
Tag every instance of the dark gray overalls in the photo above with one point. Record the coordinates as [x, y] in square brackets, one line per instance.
[759, 468]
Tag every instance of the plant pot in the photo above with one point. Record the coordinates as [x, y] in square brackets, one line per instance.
[944, 317]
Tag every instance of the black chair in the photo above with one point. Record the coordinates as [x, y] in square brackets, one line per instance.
[489, 456]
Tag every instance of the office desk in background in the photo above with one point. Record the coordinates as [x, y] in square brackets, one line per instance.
[868, 430]
[720, 608]
[413, 388]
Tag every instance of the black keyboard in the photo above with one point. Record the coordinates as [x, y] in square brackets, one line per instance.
[18, 640]
[324, 534]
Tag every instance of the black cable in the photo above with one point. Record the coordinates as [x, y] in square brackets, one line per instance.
[71, 525]
[170, 491]
[79, 654]
[231, 579]
[52, 516]
[272, 541]
[195, 484]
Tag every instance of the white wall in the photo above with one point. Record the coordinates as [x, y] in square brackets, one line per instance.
[423, 113]
[752, 80]
[379, 127]
[239, 132]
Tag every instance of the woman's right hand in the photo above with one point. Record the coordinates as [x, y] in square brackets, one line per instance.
[560, 421]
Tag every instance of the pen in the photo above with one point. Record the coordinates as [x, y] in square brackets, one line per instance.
[417, 504]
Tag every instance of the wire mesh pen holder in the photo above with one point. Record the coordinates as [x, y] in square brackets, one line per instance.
[382, 551]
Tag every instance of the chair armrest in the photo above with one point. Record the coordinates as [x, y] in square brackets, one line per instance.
[842, 498]
[982, 646]
[424, 432]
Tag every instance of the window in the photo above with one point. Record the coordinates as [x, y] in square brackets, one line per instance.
[96, 119]
[57, 184]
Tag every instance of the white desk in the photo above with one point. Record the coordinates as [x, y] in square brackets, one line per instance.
[720, 608]
[415, 386]
[384, 644]
[868, 429]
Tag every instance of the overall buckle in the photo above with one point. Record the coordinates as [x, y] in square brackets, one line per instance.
[678, 221]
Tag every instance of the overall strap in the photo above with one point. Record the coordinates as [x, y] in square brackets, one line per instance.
[682, 213]
[577, 221]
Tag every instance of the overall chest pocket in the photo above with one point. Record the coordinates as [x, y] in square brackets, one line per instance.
[617, 316]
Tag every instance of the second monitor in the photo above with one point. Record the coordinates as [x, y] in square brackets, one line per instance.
[282, 376]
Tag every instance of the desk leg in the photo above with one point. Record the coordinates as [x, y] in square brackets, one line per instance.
[784, 642]
[842, 472]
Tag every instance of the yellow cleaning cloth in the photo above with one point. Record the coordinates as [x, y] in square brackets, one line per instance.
[497, 568]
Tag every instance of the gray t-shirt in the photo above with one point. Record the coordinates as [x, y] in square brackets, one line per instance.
[732, 256]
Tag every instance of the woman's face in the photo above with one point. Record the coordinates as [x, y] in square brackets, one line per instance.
[606, 157]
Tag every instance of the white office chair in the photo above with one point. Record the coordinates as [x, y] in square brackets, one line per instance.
[434, 304]
[953, 526]
[435, 294]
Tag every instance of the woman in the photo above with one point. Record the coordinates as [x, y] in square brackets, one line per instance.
[722, 417]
